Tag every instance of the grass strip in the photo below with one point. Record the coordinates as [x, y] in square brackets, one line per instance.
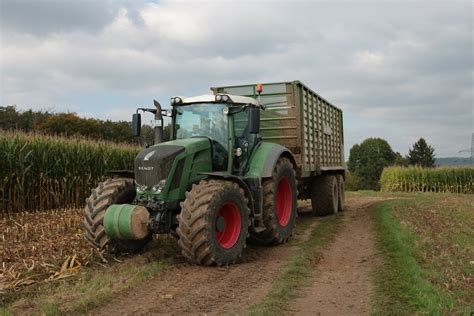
[297, 270]
[402, 285]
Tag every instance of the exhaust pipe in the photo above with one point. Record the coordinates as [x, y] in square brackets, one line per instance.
[158, 123]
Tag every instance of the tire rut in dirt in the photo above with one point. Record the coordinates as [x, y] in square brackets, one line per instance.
[341, 283]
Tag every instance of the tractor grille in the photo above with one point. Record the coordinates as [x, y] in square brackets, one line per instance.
[154, 164]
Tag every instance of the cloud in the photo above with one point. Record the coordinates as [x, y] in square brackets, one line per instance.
[398, 70]
[41, 17]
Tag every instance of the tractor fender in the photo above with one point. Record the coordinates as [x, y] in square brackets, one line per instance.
[238, 180]
[264, 158]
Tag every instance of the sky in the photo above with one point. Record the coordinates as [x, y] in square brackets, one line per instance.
[399, 70]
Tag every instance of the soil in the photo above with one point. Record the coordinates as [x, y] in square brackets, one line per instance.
[340, 284]
[190, 289]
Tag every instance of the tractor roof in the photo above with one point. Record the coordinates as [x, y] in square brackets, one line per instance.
[210, 98]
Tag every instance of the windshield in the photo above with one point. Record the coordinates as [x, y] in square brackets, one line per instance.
[202, 119]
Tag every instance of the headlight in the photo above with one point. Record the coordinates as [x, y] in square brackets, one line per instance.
[158, 188]
[225, 98]
[218, 98]
[225, 110]
[176, 100]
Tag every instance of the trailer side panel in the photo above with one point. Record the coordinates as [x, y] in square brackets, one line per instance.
[302, 121]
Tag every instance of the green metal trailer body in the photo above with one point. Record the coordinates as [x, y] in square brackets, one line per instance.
[301, 120]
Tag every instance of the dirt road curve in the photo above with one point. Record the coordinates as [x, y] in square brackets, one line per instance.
[340, 284]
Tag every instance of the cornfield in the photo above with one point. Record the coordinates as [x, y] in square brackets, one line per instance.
[417, 179]
[39, 172]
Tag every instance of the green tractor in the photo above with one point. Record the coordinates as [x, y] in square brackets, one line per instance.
[217, 182]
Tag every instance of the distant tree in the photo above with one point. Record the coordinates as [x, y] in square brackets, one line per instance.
[69, 124]
[167, 132]
[367, 160]
[400, 160]
[8, 117]
[421, 154]
[148, 134]
[12, 119]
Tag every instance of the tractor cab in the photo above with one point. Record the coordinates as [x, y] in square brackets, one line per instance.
[223, 119]
[230, 123]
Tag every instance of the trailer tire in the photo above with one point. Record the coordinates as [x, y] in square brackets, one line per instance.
[111, 191]
[213, 223]
[279, 205]
[341, 193]
[324, 195]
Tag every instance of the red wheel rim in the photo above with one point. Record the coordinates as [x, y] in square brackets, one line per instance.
[228, 235]
[284, 201]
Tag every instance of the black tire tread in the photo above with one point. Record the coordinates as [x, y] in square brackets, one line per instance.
[322, 195]
[105, 194]
[271, 234]
[341, 193]
[193, 234]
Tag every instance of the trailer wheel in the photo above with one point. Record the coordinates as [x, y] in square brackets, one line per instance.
[324, 195]
[112, 191]
[213, 223]
[279, 205]
[341, 193]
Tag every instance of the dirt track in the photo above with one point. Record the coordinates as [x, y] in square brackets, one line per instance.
[340, 284]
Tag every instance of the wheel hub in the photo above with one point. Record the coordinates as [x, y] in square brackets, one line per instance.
[284, 201]
[228, 224]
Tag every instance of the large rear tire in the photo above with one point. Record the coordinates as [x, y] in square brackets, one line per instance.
[324, 195]
[341, 193]
[112, 191]
[279, 205]
[213, 223]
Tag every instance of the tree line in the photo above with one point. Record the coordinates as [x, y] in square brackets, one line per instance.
[368, 159]
[70, 124]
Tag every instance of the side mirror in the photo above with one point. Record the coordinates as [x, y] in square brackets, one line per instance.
[254, 120]
[136, 124]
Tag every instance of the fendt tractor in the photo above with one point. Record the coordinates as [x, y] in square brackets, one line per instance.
[236, 164]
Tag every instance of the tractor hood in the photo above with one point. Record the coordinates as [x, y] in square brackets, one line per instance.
[153, 164]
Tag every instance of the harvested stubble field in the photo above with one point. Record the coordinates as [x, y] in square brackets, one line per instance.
[41, 247]
[412, 251]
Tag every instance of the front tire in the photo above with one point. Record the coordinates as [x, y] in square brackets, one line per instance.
[112, 191]
[213, 223]
[279, 205]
